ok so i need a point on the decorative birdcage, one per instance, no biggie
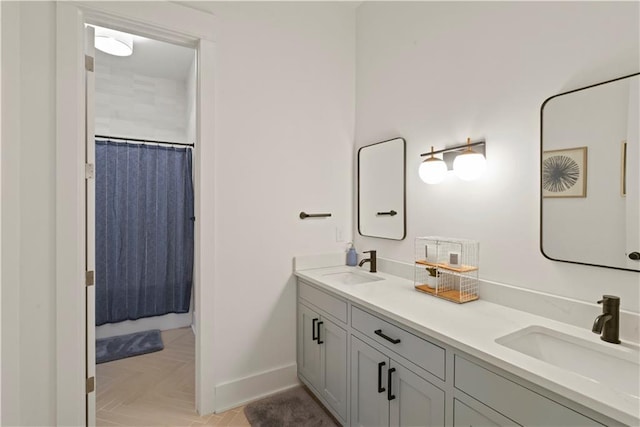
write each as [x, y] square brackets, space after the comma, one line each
[447, 268]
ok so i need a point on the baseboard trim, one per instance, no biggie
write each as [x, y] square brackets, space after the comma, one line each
[245, 390]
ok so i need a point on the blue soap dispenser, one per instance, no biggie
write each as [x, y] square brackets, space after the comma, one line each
[352, 256]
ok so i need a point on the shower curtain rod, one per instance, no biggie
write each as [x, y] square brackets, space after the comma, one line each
[145, 140]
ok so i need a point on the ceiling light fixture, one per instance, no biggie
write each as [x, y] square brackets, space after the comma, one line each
[113, 42]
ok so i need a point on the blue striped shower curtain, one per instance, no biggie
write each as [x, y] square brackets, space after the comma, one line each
[144, 231]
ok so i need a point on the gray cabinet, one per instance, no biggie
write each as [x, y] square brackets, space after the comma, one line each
[400, 341]
[384, 392]
[333, 359]
[369, 404]
[417, 402]
[322, 358]
[370, 370]
[466, 416]
[512, 399]
[308, 348]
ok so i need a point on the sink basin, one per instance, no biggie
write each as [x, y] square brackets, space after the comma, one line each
[351, 277]
[616, 366]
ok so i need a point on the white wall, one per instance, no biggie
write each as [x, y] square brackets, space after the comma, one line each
[28, 213]
[436, 73]
[433, 73]
[10, 214]
[0, 215]
[132, 104]
[284, 143]
[192, 85]
[284, 132]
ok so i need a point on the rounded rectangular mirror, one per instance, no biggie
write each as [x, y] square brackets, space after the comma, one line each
[590, 175]
[381, 189]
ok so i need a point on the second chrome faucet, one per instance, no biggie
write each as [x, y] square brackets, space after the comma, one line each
[371, 260]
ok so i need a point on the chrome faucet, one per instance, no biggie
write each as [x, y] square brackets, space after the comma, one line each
[608, 323]
[371, 260]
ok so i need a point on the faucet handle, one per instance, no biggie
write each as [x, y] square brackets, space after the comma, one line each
[610, 303]
[609, 299]
[369, 252]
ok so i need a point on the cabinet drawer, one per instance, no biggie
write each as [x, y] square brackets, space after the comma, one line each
[332, 305]
[517, 402]
[467, 416]
[421, 352]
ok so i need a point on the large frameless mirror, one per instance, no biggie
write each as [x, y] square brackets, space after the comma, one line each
[381, 189]
[590, 175]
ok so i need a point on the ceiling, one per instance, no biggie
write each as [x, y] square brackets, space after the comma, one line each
[154, 58]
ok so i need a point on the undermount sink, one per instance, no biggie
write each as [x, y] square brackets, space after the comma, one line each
[616, 366]
[351, 277]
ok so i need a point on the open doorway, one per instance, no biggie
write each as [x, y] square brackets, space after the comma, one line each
[144, 121]
[170, 22]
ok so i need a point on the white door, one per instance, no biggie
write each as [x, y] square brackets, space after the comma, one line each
[417, 402]
[333, 341]
[90, 238]
[369, 368]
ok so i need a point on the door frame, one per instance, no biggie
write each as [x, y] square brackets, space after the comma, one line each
[163, 21]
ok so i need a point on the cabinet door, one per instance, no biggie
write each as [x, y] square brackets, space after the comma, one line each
[417, 402]
[369, 405]
[512, 399]
[308, 348]
[465, 416]
[333, 341]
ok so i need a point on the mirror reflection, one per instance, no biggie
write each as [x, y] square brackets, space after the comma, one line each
[590, 175]
[381, 189]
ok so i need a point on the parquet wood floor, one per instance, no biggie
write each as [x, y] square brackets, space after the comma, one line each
[156, 389]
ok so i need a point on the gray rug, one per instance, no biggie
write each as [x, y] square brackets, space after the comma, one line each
[122, 346]
[291, 408]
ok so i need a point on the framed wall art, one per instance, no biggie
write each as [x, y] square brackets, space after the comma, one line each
[623, 169]
[564, 172]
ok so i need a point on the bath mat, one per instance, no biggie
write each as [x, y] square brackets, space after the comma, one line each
[122, 346]
[291, 408]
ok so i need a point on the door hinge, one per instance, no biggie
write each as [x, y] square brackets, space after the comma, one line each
[89, 278]
[89, 171]
[91, 384]
[88, 63]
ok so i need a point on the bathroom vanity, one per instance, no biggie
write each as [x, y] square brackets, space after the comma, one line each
[376, 352]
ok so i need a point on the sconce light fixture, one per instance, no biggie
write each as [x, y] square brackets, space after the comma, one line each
[432, 170]
[466, 163]
[113, 42]
[469, 165]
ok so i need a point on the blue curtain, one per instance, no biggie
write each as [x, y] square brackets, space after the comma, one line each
[144, 231]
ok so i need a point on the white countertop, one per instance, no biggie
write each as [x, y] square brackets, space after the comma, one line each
[473, 328]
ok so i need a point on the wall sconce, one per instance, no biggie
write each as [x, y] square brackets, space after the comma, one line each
[466, 163]
[432, 170]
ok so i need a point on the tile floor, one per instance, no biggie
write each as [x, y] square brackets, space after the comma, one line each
[156, 389]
